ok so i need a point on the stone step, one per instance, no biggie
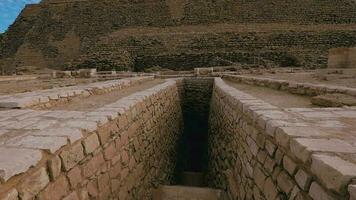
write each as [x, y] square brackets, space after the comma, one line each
[187, 193]
[195, 179]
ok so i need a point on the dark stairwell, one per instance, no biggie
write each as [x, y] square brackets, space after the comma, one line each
[190, 173]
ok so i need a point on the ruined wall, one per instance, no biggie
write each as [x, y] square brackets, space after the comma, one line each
[124, 158]
[256, 152]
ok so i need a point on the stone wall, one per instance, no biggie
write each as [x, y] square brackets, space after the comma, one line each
[258, 151]
[300, 88]
[123, 150]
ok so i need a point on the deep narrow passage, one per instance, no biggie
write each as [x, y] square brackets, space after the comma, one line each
[193, 144]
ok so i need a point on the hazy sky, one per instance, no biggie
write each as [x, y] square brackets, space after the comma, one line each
[9, 9]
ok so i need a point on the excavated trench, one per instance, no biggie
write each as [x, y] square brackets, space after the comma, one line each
[193, 144]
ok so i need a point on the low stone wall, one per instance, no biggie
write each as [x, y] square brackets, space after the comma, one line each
[51, 97]
[258, 151]
[120, 151]
[308, 89]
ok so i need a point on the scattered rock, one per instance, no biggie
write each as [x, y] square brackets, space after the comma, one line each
[334, 100]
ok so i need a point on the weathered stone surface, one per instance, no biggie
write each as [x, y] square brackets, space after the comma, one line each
[10, 195]
[352, 192]
[54, 167]
[303, 179]
[333, 171]
[91, 143]
[318, 193]
[55, 190]
[33, 184]
[334, 100]
[51, 144]
[16, 161]
[72, 156]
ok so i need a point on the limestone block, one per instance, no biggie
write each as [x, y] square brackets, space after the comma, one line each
[33, 184]
[289, 165]
[270, 190]
[10, 195]
[54, 167]
[333, 171]
[303, 179]
[302, 147]
[72, 156]
[270, 147]
[50, 144]
[285, 182]
[55, 190]
[318, 193]
[352, 192]
[88, 126]
[16, 161]
[91, 143]
[75, 177]
[72, 134]
[72, 196]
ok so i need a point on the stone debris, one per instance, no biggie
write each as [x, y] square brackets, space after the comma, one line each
[334, 100]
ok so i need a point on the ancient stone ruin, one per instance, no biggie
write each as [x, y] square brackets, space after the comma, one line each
[136, 35]
[179, 100]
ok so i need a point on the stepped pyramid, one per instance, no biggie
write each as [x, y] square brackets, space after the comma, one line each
[178, 34]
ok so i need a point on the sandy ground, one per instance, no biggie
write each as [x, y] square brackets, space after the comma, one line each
[339, 80]
[275, 97]
[11, 87]
[96, 101]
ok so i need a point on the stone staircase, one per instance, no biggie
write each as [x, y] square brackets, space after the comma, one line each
[187, 193]
[192, 188]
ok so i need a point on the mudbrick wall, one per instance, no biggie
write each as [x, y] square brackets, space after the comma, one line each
[258, 151]
[122, 150]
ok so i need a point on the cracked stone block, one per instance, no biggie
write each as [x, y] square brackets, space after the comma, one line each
[16, 161]
[333, 171]
[50, 144]
[72, 156]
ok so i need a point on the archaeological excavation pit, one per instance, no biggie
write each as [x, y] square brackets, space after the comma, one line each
[181, 138]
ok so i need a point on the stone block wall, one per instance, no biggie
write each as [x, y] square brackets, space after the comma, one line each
[130, 150]
[300, 88]
[258, 151]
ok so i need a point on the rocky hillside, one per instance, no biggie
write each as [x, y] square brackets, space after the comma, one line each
[62, 33]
